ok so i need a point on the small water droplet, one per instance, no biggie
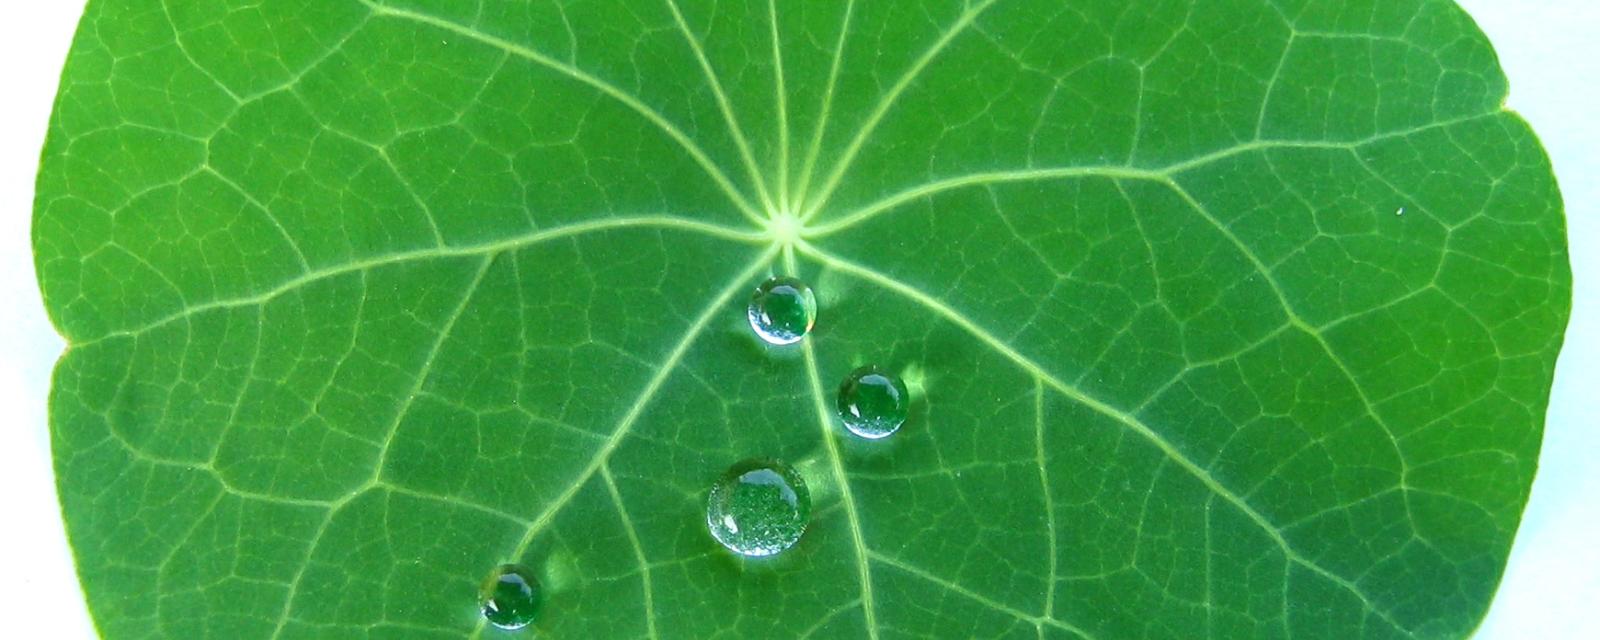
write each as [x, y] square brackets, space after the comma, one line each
[511, 597]
[782, 310]
[758, 507]
[873, 403]
[1400, 212]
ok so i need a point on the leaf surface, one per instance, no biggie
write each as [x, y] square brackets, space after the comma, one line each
[1223, 318]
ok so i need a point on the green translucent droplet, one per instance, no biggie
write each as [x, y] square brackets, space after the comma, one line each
[511, 597]
[782, 310]
[873, 403]
[758, 507]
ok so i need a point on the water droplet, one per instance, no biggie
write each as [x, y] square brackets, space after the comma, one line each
[758, 507]
[1400, 212]
[511, 597]
[873, 403]
[782, 310]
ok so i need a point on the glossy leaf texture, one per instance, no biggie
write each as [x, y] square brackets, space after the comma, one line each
[1220, 318]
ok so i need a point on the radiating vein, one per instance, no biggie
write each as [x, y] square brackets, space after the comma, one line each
[627, 99]
[383, 453]
[638, 551]
[432, 253]
[803, 185]
[1162, 174]
[836, 464]
[918, 192]
[1131, 422]
[796, 196]
[887, 102]
[726, 107]
[783, 105]
[641, 402]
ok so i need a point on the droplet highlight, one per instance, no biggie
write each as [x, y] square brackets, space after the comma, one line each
[511, 597]
[782, 310]
[873, 403]
[758, 508]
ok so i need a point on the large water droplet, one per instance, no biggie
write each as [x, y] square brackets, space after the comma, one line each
[511, 597]
[873, 403]
[758, 507]
[782, 310]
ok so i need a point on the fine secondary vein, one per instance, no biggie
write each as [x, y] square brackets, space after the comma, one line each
[431, 253]
[726, 107]
[887, 102]
[803, 185]
[1129, 421]
[666, 126]
[783, 105]
[641, 402]
[394, 425]
[836, 465]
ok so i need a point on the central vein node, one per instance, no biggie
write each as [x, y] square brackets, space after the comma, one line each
[785, 228]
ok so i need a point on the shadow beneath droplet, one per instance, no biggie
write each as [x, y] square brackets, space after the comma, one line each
[724, 560]
[738, 339]
[855, 447]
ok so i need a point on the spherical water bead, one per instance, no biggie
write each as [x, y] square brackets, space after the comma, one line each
[782, 310]
[511, 597]
[873, 403]
[758, 507]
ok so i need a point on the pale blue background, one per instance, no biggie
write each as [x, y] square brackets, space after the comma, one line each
[1551, 588]
[1552, 585]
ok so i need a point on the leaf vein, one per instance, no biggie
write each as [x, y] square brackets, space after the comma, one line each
[969, 594]
[671, 130]
[432, 253]
[886, 102]
[783, 105]
[724, 106]
[638, 551]
[1129, 421]
[643, 400]
[1163, 174]
[836, 464]
[377, 467]
[803, 185]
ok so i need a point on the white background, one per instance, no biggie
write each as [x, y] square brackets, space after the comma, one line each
[1551, 587]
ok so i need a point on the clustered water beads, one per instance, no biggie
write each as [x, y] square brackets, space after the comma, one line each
[758, 507]
[873, 403]
[511, 597]
[782, 310]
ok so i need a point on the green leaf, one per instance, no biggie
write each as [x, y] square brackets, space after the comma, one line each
[1221, 318]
